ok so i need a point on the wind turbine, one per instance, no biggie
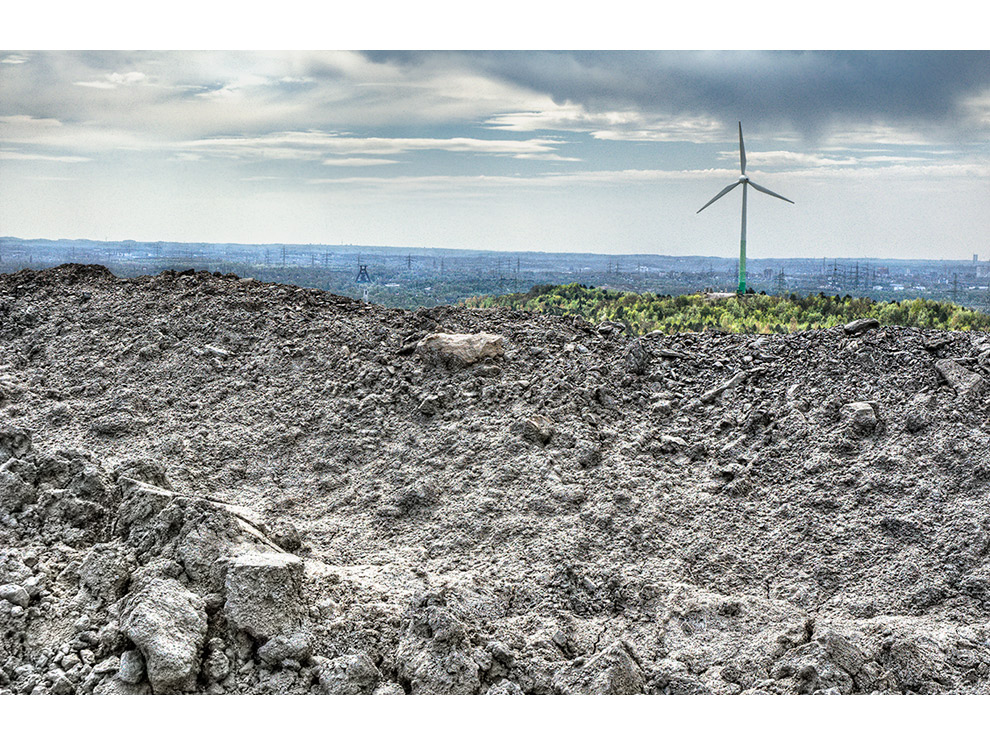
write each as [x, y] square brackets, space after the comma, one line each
[744, 180]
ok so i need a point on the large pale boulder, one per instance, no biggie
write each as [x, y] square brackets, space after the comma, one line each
[460, 350]
[965, 382]
[264, 593]
[168, 624]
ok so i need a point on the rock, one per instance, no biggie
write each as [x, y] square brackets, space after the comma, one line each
[860, 417]
[106, 571]
[608, 328]
[130, 667]
[613, 671]
[918, 664]
[112, 425]
[15, 492]
[264, 593]
[108, 666]
[15, 595]
[114, 686]
[168, 625]
[712, 393]
[966, 383]
[60, 683]
[860, 326]
[588, 454]
[349, 675]
[285, 534]
[295, 645]
[636, 358]
[216, 666]
[842, 652]
[430, 405]
[810, 669]
[15, 442]
[434, 656]
[671, 444]
[536, 429]
[460, 350]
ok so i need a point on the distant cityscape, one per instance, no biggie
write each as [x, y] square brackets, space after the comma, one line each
[411, 277]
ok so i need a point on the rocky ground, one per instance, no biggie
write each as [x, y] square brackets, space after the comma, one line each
[214, 485]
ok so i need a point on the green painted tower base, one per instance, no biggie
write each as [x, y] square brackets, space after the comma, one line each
[742, 268]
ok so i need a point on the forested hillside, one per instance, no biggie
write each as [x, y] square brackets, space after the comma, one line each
[642, 313]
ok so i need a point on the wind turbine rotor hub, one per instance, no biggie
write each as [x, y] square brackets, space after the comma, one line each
[744, 179]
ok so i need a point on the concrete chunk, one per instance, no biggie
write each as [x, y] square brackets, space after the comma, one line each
[460, 349]
[264, 593]
[965, 382]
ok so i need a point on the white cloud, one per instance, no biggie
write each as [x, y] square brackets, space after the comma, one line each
[14, 59]
[791, 159]
[102, 85]
[28, 122]
[12, 155]
[358, 162]
[114, 80]
[787, 158]
[317, 145]
[612, 125]
[976, 110]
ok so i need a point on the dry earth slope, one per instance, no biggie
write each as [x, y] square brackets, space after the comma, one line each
[209, 484]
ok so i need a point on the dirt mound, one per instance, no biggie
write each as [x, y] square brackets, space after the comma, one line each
[210, 484]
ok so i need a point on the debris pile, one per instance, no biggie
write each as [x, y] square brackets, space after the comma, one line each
[213, 485]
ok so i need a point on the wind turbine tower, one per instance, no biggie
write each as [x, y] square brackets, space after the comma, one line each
[745, 181]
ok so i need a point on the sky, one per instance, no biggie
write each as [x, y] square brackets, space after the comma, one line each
[885, 154]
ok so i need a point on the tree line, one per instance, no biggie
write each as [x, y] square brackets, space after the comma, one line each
[750, 313]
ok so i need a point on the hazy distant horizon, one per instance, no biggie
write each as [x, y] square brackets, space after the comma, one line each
[983, 258]
[581, 152]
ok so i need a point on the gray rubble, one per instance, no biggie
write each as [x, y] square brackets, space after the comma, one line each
[211, 486]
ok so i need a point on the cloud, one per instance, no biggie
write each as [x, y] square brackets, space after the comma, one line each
[102, 85]
[811, 92]
[115, 80]
[318, 145]
[14, 59]
[13, 155]
[628, 125]
[358, 162]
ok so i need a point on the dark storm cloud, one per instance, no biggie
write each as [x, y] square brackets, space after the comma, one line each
[806, 90]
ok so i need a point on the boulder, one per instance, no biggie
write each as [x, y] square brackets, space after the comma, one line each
[131, 667]
[349, 675]
[295, 645]
[168, 624]
[613, 671]
[860, 326]
[264, 593]
[106, 571]
[15, 595]
[965, 382]
[15, 492]
[860, 417]
[460, 350]
[15, 442]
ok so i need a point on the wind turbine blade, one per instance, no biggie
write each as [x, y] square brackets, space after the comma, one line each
[721, 194]
[742, 152]
[767, 191]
